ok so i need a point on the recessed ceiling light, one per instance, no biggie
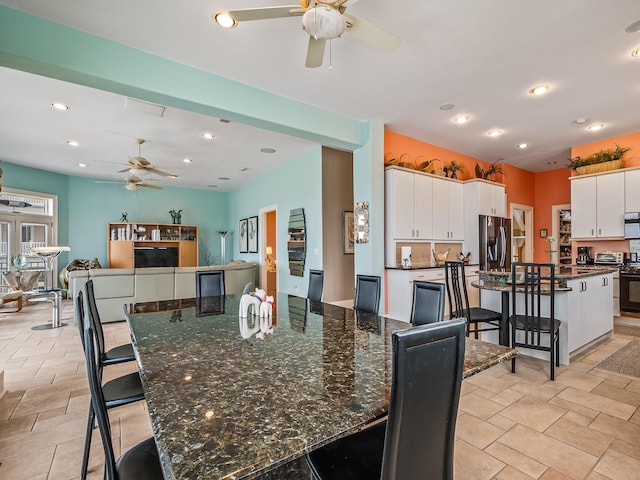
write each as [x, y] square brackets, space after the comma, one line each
[581, 121]
[208, 136]
[268, 150]
[82, 165]
[460, 119]
[540, 89]
[522, 146]
[633, 28]
[224, 20]
[495, 133]
[60, 106]
[446, 106]
[553, 162]
[636, 52]
[243, 169]
[73, 143]
[595, 127]
[223, 178]
[187, 160]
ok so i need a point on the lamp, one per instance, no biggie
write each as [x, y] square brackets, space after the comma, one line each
[323, 23]
[270, 262]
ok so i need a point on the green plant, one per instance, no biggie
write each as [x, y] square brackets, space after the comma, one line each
[608, 155]
[488, 174]
[455, 167]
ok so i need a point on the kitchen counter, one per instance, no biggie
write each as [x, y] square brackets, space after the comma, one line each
[563, 275]
[424, 266]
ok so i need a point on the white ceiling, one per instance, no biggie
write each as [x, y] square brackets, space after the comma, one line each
[481, 56]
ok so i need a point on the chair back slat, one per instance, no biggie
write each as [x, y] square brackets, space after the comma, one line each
[457, 294]
[367, 293]
[428, 303]
[94, 318]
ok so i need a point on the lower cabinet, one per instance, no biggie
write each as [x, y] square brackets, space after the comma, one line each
[590, 309]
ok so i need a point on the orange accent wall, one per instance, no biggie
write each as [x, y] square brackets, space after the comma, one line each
[551, 188]
[631, 158]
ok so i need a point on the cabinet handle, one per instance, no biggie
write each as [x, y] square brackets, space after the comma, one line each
[593, 232]
[599, 231]
[413, 233]
[417, 233]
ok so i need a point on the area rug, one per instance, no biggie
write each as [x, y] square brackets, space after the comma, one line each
[625, 361]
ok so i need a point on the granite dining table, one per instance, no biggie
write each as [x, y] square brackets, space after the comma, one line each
[232, 397]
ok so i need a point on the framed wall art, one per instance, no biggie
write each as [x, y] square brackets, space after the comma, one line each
[252, 229]
[244, 237]
[348, 232]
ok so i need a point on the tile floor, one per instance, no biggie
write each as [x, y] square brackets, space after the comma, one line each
[585, 425]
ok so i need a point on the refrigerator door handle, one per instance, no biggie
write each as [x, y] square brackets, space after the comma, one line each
[503, 249]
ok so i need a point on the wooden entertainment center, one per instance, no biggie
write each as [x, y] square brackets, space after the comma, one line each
[135, 245]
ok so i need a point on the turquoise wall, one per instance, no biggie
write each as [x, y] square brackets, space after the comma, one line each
[296, 184]
[94, 205]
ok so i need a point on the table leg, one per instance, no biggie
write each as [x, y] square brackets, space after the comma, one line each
[504, 322]
[56, 302]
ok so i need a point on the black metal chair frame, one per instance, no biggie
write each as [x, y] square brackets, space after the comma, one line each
[142, 461]
[531, 323]
[207, 275]
[316, 285]
[458, 297]
[428, 303]
[360, 301]
[117, 392]
[417, 439]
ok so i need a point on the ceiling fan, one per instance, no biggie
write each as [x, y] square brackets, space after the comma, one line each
[322, 19]
[140, 165]
[135, 183]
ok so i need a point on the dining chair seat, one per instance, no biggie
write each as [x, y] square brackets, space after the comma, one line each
[140, 462]
[119, 354]
[417, 440]
[521, 321]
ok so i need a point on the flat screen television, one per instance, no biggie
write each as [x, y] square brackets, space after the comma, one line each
[155, 257]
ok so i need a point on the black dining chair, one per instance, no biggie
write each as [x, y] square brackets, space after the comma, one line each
[140, 462]
[367, 293]
[428, 303]
[533, 323]
[119, 354]
[417, 439]
[316, 284]
[478, 319]
[117, 392]
[210, 283]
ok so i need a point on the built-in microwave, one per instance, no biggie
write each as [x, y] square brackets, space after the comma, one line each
[632, 225]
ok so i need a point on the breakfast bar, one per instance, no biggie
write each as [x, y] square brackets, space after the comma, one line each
[583, 303]
[233, 397]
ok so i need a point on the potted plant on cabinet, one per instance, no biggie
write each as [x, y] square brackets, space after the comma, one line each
[602, 161]
[454, 167]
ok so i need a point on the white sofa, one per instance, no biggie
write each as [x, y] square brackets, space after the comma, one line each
[114, 287]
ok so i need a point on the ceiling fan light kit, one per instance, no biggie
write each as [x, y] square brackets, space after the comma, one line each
[323, 23]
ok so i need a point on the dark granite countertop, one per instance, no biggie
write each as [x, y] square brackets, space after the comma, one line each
[235, 398]
[425, 266]
[492, 280]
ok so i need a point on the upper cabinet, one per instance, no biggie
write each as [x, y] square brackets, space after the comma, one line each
[481, 197]
[448, 220]
[491, 199]
[632, 190]
[598, 206]
[408, 211]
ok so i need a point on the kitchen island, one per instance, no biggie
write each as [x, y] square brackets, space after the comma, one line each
[583, 303]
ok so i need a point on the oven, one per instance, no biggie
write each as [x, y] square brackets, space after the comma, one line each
[630, 288]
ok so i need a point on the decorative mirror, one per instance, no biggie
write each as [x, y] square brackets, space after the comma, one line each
[361, 222]
[296, 242]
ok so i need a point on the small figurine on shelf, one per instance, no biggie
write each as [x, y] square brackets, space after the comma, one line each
[176, 217]
[124, 217]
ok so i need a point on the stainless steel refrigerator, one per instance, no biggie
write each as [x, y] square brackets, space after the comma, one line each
[495, 243]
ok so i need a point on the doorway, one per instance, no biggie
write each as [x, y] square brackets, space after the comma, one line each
[269, 249]
[521, 233]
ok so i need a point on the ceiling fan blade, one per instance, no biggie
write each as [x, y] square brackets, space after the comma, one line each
[124, 170]
[346, 3]
[158, 172]
[263, 13]
[150, 185]
[98, 181]
[315, 53]
[372, 34]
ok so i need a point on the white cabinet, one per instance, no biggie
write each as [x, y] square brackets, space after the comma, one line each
[598, 206]
[632, 191]
[590, 309]
[408, 210]
[481, 197]
[448, 214]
